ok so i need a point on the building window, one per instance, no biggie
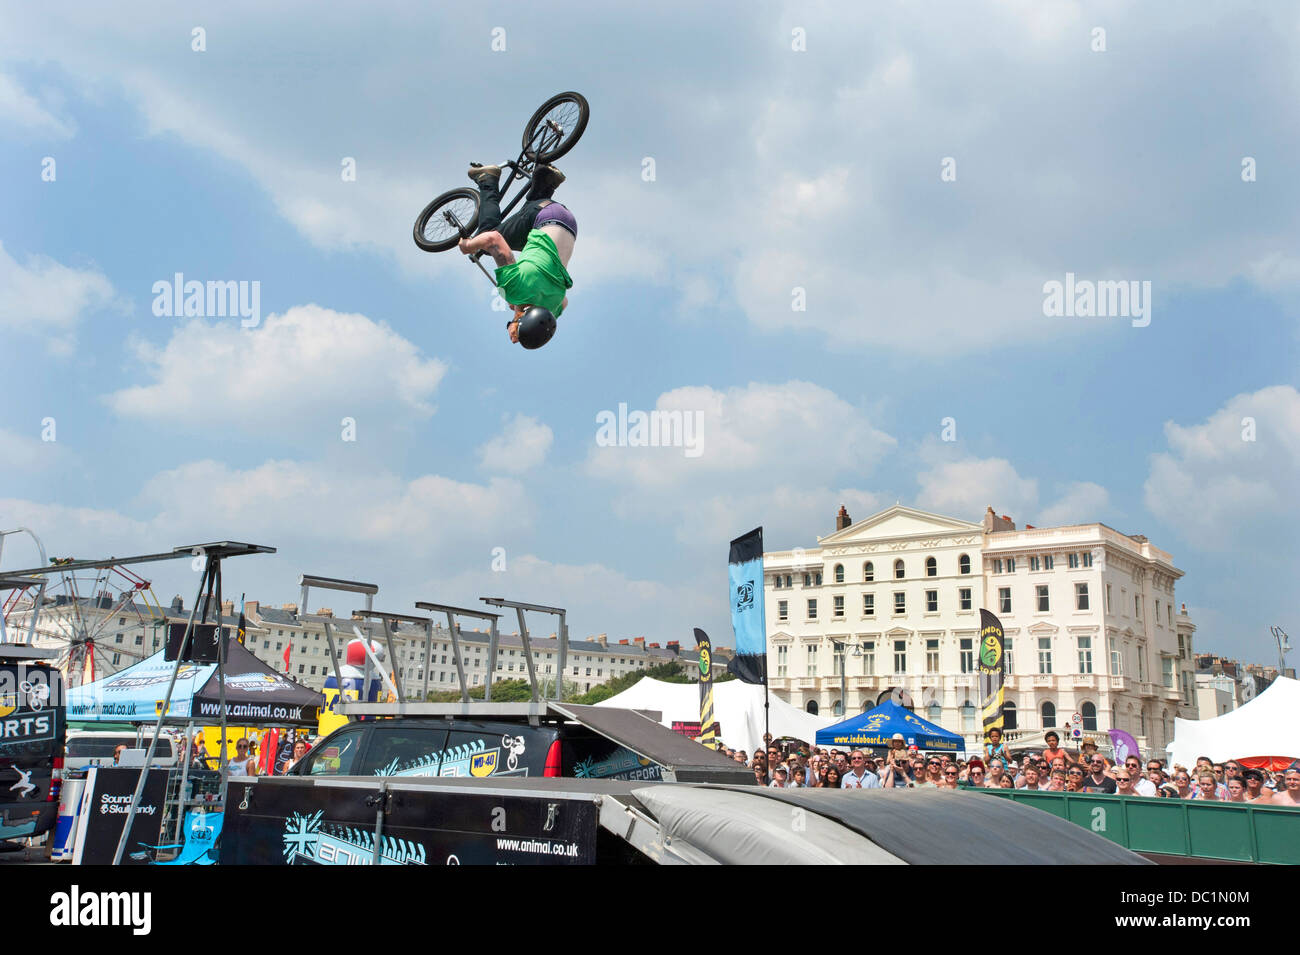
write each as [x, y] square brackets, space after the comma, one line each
[1085, 654]
[1169, 613]
[868, 605]
[782, 610]
[812, 609]
[967, 655]
[301, 668]
[1008, 715]
[1049, 715]
[117, 658]
[1089, 713]
[1116, 660]
[898, 570]
[1049, 562]
[932, 656]
[1011, 565]
[1004, 600]
[1108, 598]
[868, 572]
[869, 658]
[812, 659]
[1137, 606]
[837, 661]
[1167, 671]
[807, 580]
[782, 660]
[839, 605]
[1142, 660]
[1044, 654]
[1072, 561]
[900, 656]
[964, 596]
[900, 602]
[1043, 603]
[1080, 596]
[839, 573]
[811, 707]
[789, 581]
[931, 567]
[1006, 655]
[968, 717]
[997, 566]
[934, 712]
[1182, 647]
[963, 564]
[932, 601]
[1034, 564]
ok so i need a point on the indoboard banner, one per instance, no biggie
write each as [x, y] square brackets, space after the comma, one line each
[288, 823]
[105, 811]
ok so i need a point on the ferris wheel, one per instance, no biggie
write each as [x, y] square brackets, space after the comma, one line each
[71, 612]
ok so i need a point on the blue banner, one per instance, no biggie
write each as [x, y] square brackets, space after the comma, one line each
[748, 618]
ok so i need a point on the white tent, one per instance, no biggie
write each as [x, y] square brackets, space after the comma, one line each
[737, 706]
[1269, 725]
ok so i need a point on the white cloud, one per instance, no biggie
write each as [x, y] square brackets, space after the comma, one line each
[1223, 492]
[45, 297]
[1082, 502]
[521, 446]
[22, 453]
[755, 445]
[20, 109]
[308, 362]
[964, 487]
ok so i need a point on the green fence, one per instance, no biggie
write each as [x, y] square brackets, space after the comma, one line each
[1177, 827]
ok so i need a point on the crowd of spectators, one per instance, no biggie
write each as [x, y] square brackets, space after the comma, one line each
[1053, 769]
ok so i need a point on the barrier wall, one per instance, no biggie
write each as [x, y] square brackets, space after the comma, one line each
[1178, 827]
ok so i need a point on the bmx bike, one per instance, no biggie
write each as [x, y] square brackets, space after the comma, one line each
[553, 130]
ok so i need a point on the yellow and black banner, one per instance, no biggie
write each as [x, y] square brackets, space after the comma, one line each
[708, 725]
[992, 670]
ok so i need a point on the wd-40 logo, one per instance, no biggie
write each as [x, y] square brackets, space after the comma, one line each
[745, 595]
[483, 764]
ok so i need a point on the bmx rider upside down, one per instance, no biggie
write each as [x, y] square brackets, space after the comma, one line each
[543, 232]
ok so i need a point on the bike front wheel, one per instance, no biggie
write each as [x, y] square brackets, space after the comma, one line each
[435, 231]
[556, 127]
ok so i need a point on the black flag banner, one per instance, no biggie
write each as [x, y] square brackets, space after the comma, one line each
[748, 619]
[992, 671]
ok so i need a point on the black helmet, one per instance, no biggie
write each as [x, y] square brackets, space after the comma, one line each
[536, 327]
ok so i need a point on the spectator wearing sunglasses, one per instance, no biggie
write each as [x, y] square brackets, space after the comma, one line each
[859, 776]
[1074, 779]
[1182, 781]
[1255, 791]
[1124, 780]
[1098, 780]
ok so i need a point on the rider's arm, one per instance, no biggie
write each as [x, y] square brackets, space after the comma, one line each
[493, 244]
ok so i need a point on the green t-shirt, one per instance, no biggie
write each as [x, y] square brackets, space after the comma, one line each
[537, 276]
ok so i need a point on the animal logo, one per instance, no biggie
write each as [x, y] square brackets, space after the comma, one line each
[24, 785]
[514, 745]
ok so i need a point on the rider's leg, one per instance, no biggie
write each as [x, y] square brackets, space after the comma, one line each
[515, 229]
[489, 204]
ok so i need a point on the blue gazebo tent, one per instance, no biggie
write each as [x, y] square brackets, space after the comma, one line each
[874, 729]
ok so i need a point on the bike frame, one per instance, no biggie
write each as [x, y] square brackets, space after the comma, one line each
[521, 168]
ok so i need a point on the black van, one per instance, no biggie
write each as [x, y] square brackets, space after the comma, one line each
[32, 728]
[592, 744]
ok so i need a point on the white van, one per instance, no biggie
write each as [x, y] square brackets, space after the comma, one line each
[95, 748]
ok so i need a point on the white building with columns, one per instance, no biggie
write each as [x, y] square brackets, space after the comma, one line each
[890, 605]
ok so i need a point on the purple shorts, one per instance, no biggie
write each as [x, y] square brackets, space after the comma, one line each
[559, 215]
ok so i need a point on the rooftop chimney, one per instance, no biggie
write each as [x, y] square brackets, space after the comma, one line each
[655, 646]
[227, 608]
[601, 638]
[325, 612]
[251, 607]
[842, 519]
[639, 642]
[993, 524]
[291, 608]
[674, 645]
[622, 643]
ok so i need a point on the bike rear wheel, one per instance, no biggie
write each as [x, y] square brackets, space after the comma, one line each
[543, 142]
[434, 233]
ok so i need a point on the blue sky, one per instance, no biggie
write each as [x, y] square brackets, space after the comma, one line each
[774, 168]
